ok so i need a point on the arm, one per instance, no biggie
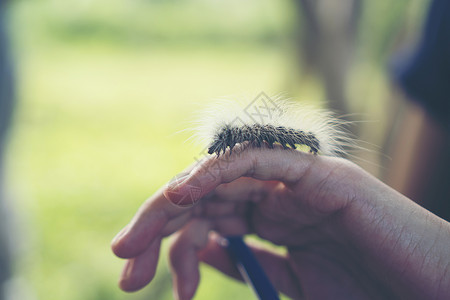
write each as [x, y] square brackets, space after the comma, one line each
[420, 160]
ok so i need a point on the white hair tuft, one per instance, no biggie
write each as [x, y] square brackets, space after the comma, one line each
[265, 120]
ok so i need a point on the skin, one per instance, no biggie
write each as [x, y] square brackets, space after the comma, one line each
[347, 235]
[421, 173]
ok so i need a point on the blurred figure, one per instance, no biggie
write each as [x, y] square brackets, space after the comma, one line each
[328, 43]
[6, 103]
[421, 144]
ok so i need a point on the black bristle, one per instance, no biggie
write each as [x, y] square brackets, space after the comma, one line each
[259, 135]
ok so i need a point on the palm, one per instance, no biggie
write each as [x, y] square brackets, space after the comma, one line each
[324, 266]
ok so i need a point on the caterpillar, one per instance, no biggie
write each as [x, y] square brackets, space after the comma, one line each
[263, 121]
[257, 134]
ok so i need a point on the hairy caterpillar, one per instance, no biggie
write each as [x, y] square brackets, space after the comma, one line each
[257, 134]
[264, 121]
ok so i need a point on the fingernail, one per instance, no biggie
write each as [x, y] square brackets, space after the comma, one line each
[126, 273]
[119, 235]
[183, 191]
[218, 239]
[175, 182]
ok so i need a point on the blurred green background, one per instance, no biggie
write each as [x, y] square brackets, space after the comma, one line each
[105, 90]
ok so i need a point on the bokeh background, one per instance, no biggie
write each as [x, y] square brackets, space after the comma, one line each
[106, 89]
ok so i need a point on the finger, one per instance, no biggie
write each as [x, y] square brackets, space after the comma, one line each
[139, 271]
[159, 217]
[231, 225]
[147, 225]
[183, 257]
[276, 266]
[263, 164]
[189, 241]
[245, 189]
[175, 223]
[216, 255]
[212, 207]
[320, 188]
[151, 218]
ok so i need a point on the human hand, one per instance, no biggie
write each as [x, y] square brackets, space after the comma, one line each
[347, 234]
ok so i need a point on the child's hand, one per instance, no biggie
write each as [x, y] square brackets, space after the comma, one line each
[348, 235]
